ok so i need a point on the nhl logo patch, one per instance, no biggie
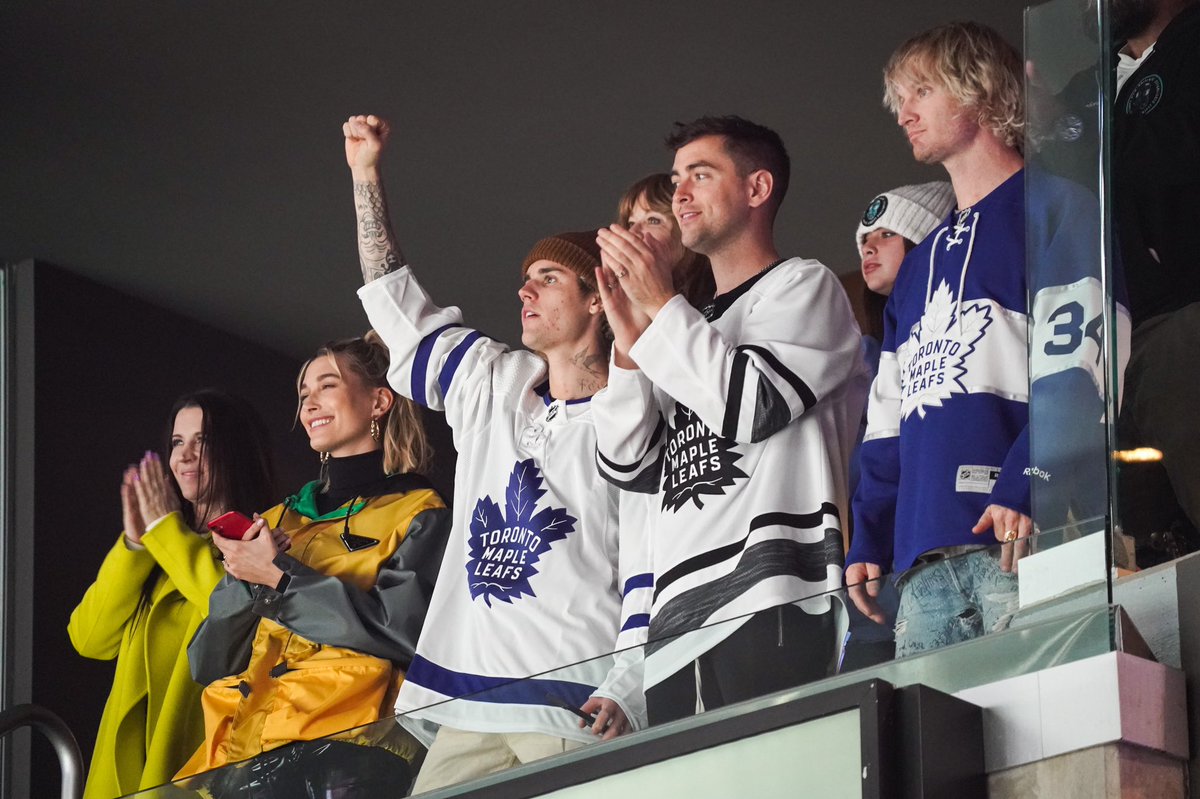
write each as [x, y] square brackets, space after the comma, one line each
[875, 210]
[1145, 95]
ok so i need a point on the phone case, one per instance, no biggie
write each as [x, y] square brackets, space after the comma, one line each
[230, 525]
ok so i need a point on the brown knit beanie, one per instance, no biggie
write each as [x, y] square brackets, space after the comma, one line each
[576, 251]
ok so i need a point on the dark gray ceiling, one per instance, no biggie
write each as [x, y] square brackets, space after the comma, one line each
[191, 153]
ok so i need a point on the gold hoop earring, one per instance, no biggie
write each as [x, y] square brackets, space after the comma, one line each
[375, 429]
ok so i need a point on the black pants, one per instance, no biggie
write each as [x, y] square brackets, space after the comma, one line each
[776, 649]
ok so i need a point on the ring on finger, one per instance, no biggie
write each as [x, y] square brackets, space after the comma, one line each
[623, 273]
[1010, 536]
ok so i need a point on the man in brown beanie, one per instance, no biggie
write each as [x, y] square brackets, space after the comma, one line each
[533, 573]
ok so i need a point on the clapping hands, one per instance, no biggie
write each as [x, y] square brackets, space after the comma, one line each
[146, 496]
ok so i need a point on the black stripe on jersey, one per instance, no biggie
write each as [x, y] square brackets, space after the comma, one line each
[802, 521]
[644, 482]
[624, 468]
[799, 386]
[733, 400]
[771, 411]
[693, 608]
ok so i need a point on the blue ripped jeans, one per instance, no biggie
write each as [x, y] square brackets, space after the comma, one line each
[954, 599]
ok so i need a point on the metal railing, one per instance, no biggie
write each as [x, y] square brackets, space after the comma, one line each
[70, 761]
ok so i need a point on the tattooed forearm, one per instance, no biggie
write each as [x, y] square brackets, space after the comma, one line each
[378, 253]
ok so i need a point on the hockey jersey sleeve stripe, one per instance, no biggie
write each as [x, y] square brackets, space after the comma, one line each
[733, 402]
[421, 363]
[498, 690]
[806, 395]
[636, 621]
[626, 468]
[454, 359]
[771, 412]
[644, 482]
[638, 581]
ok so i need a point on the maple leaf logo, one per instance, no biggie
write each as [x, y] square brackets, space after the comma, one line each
[698, 462]
[933, 359]
[506, 547]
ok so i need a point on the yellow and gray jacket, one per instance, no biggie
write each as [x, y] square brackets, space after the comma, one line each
[327, 652]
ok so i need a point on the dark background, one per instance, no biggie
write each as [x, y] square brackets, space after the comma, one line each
[191, 153]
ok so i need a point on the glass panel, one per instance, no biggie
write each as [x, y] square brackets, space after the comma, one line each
[1073, 321]
[5, 516]
[1030, 633]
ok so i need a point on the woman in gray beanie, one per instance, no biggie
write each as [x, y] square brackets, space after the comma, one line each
[893, 224]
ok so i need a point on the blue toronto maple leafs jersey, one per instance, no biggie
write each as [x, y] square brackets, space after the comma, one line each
[537, 578]
[742, 424]
[948, 419]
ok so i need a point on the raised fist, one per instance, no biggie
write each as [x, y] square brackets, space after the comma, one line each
[365, 139]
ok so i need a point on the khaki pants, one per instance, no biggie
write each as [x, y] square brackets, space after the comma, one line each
[460, 755]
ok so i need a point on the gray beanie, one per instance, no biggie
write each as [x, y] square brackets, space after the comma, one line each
[911, 211]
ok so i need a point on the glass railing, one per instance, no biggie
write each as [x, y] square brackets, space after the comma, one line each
[1030, 626]
[1074, 324]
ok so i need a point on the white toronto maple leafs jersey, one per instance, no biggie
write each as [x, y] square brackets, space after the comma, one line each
[950, 412]
[534, 580]
[744, 426]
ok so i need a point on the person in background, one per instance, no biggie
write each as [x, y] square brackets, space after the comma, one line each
[893, 223]
[645, 210]
[311, 630]
[151, 592]
[1156, 201]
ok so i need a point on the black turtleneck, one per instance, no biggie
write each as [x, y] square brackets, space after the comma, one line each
[362, 476]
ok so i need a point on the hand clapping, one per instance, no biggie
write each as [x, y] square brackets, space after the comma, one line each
[146, 496]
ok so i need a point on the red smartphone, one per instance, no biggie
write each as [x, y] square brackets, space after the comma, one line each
[230, 525]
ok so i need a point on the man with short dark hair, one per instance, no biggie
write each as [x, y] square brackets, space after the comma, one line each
[743, 416]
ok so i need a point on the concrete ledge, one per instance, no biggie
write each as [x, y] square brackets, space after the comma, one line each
[1111, 771]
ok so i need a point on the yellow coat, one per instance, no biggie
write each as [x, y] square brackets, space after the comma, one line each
[143, 608]
[326, 655]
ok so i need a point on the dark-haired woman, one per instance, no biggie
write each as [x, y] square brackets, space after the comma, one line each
[152, 589]
[311, 639]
